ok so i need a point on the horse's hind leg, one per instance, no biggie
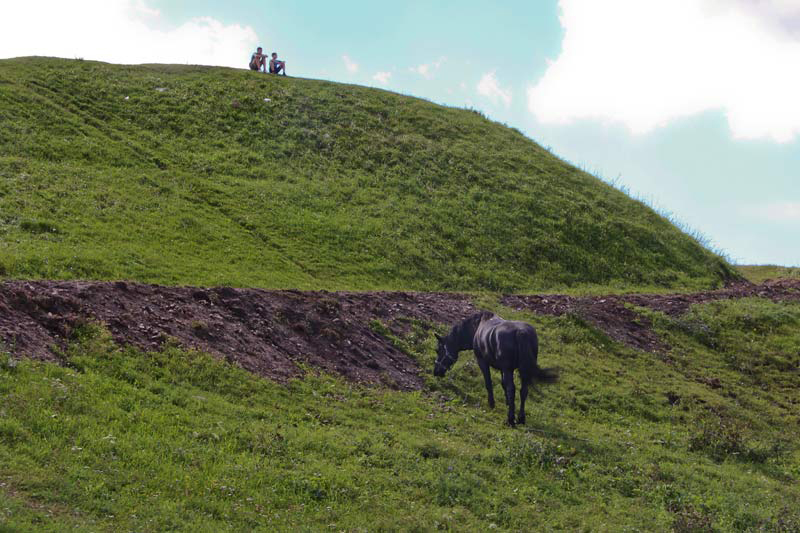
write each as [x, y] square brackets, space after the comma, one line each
[523, 395]
[508, 386]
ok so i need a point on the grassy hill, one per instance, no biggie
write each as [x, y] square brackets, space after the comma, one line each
[213, 176]
[175, 174]
[703, 438]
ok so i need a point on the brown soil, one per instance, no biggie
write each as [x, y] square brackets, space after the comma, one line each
[272, 332]
[266, 332]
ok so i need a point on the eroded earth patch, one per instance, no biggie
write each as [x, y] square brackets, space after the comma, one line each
[272, 332]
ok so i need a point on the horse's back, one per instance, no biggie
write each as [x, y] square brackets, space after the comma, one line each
[515, 329]
[497, 338]
[518, 326]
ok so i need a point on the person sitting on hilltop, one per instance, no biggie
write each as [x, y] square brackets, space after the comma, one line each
[258, 61]
[276, 65]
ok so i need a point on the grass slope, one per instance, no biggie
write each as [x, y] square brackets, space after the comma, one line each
[762, 273]
[187, 175]
[704, 439]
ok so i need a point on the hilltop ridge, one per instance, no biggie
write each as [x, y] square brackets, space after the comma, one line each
[213, 176]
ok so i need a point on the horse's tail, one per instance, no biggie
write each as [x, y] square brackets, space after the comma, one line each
[545, 375]
[529, 369]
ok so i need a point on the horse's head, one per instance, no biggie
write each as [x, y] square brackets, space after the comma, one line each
[446, 356]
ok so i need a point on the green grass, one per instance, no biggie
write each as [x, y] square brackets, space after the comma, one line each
[330, 186]
[185, 175]
[123, 440]
[761, 273]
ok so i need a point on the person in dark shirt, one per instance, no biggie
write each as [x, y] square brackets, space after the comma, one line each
[258, 61]
[276, 65]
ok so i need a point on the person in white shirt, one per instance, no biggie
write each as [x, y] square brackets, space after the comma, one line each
[258, 61]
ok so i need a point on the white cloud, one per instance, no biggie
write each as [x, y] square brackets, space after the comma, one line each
[776, 212]
[427, 70]
[490, 88]
[646, 63]
[784, 14]
[382, 77]
[120, 31]
[422, 70]
[350, 65]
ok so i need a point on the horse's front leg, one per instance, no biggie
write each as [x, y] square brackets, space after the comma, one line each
[487, 379]
[508, 386]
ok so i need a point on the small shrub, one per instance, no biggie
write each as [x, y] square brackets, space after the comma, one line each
[12, 432]
[7, 362]
[719, 437]
[363, 446]
[787, 520]
[200, 328]
[525, 454]
[699, 330]
[38, 227]
[378, 327]
[431, 451]
[269, 445]
[689, 519]
[763, 452]
[453, 487]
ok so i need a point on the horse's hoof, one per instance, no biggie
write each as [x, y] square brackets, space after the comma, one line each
[521, 421]
[511, 424]
[491, 405]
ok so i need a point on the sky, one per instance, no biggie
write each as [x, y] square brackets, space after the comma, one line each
[690, 105]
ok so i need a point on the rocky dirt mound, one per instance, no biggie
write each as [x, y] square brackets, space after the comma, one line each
[266, 332]
[272, 332]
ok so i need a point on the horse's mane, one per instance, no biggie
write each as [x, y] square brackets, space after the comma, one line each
[466, 328]
[480, 315]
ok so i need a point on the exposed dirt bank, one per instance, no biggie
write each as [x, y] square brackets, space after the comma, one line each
[271, 332]
[266, 332]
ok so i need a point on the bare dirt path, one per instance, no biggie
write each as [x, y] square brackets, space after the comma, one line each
[271, 332]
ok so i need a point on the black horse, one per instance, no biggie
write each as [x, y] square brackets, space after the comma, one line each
[497, 343]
